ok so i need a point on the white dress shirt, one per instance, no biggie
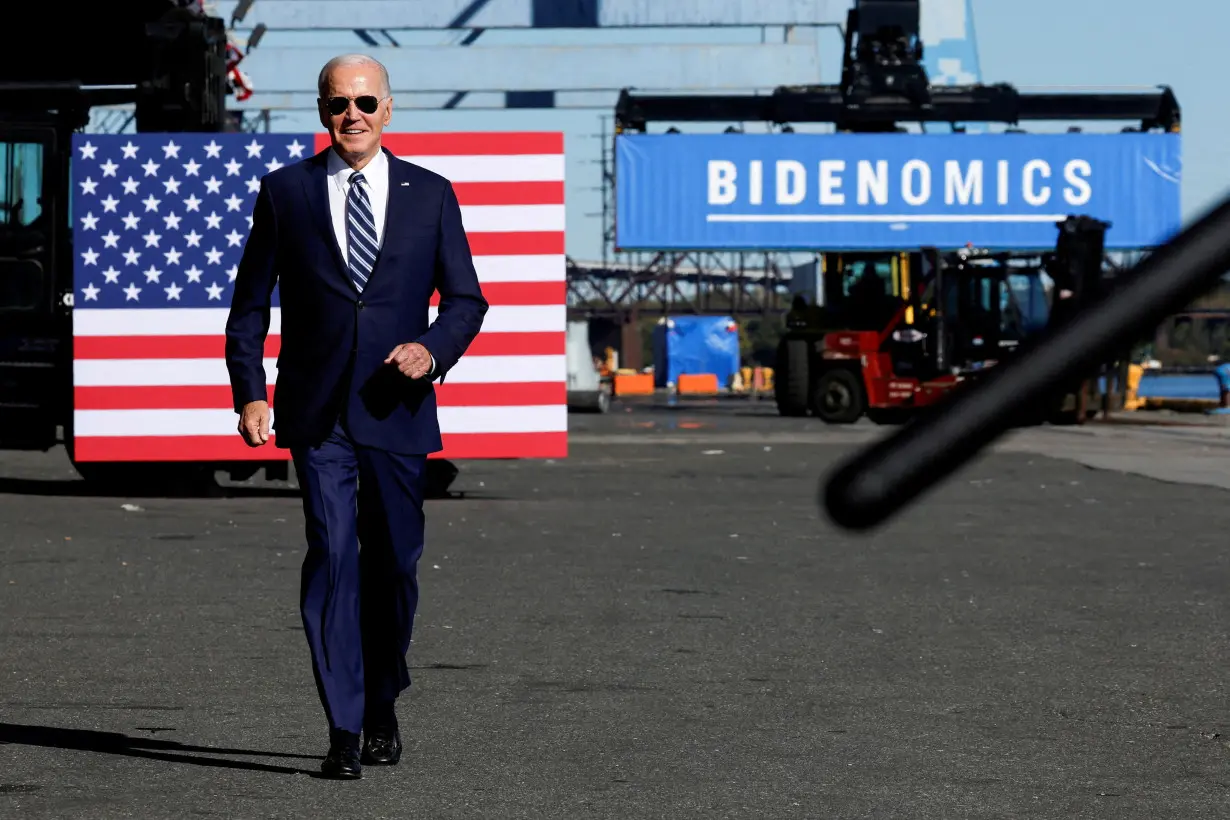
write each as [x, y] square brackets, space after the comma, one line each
[376, 176]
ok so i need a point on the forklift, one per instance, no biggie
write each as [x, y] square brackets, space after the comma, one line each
[887, 343]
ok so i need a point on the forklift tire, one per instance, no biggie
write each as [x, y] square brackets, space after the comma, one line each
[838, 398]
[790, 383]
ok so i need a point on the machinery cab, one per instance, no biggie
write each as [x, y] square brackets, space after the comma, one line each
[966, 311]
[858, 292]
[865, 291]
[25, 235]
[34, 250]
[981, 301]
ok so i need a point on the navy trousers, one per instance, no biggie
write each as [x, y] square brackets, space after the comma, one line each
[363, 511]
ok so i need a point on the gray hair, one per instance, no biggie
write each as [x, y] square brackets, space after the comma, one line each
[322, 82]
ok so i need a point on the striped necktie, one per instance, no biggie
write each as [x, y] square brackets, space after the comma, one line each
[360, 232]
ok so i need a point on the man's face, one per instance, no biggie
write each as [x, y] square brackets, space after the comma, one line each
[355, 132]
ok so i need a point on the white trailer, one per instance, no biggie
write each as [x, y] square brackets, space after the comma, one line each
[588, 391]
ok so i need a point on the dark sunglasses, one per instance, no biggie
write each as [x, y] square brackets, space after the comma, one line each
[367, 104]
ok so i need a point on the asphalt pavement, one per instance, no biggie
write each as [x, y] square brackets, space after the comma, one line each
[662, 625]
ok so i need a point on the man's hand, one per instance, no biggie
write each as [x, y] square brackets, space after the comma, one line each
[254, 423]
[412, 359]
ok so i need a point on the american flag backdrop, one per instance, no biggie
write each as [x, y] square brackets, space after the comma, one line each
[159, 224]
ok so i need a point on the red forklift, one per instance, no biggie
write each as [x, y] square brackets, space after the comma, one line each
[896, 332]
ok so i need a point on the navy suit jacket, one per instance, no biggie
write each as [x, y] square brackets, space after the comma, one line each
[335, 339]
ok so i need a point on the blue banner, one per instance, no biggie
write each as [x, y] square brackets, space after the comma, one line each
[874, 191]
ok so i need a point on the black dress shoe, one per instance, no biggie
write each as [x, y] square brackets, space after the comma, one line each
[342, 761]
[382, 747]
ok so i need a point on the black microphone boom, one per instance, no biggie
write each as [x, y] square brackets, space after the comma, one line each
[885, 477]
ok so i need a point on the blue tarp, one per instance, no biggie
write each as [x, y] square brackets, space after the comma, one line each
[1200, 386]
[693, 345]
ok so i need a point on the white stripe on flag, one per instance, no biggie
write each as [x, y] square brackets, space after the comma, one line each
[212, 321]
[180, 372]
[521, 268]
[494, 168]
[523, 318]
[544, 418]
[483, 218]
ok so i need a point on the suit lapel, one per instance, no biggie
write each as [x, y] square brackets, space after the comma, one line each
[317, 186]
[395, 212]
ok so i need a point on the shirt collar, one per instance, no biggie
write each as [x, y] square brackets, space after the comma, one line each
[340, 172]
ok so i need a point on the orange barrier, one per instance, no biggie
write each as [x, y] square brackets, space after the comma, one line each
[698, 384]
[629, 384]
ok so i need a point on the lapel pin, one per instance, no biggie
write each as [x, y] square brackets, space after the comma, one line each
[405, 184]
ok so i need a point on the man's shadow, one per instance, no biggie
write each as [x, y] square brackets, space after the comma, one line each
[88, 740]
[77, 488]
[441, 473]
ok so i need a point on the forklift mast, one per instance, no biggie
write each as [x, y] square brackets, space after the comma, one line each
[1076, 266]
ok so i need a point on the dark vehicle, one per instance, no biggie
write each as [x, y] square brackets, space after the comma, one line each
[35, 324]
[171, 61]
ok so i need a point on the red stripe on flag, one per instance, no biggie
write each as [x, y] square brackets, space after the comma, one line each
[505, 445]
[509, 193]
[160, 347]
[519, 293]
[507, 394]
[174, 448]
[544, 343]
[474, 142]
[162, 397]
[209, 396]
[512, 343]
[232, 448]
[510, 243]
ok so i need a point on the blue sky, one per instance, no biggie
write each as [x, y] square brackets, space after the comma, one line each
[1034, 43]
[1124, 42]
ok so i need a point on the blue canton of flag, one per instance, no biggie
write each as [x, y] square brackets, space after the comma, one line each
[160, 220]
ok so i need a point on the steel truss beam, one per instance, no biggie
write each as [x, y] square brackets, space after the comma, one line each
[674, 283]
[623, 283]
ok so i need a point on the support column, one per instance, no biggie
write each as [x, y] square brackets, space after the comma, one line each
[631, 353]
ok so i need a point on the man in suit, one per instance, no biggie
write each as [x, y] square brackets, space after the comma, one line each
[357, 241]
